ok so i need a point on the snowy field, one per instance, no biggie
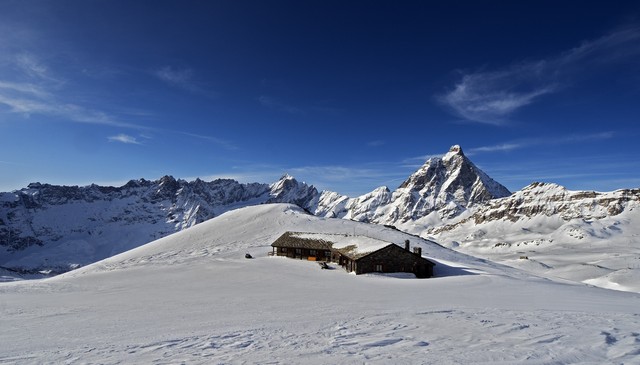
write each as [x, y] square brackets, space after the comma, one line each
[192, 298]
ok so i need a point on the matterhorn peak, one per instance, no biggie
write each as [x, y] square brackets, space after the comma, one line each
[450, 181]
[455, 150]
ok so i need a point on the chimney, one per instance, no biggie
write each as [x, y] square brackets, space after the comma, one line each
[418, 251]
[406, 245]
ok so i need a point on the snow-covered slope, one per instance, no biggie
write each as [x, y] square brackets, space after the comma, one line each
[578, 235]
[445, 186]
[52, 228]
[192, 298]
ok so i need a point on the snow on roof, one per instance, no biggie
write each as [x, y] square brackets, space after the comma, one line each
[355, 246]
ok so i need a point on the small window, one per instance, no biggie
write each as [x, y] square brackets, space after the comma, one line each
[379, 267]
[312, 252]
[298, 251]
[283, 249]
[327, 254]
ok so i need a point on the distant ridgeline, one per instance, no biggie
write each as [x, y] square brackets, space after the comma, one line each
[47, 227]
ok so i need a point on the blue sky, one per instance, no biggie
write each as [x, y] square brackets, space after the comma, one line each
[347, 97]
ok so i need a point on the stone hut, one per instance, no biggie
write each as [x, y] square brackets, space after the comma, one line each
[295, 245]
[358, 254]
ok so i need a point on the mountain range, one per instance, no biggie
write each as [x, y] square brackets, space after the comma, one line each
[49, 229]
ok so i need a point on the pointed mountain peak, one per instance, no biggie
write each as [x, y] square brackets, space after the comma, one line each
[290, 190]
[286, 181]
[455, 150]
[286, 177]
[450, 179]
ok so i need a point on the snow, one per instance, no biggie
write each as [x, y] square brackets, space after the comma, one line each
[192, 298]
[582, 236]
[360, 244]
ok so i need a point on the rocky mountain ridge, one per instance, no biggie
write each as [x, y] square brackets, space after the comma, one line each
[550, 200]
[445, 185]
[53, 229]
[540, 211]
[584, 236]
[56, 228]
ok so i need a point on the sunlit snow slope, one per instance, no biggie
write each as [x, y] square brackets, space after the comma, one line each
[583, 236]
[193, 298]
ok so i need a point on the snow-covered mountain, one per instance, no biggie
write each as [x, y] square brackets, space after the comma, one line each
[443, 187]
[585, 236]
[551, 200]
[56, 228]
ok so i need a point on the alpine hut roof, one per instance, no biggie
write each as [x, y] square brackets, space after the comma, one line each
[348, 245]
[293, 240]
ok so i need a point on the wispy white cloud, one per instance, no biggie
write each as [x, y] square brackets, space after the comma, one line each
[491, 97]
[9, 163]
[54, 108]
[24, 88]
[419, 160]
[124, 138]
[176, 77]
[30, 65]
[532, 142]
[183, 78]
[497, 147]
[34, 94]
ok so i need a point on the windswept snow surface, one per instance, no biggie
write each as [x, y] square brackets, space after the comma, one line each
[192, 298]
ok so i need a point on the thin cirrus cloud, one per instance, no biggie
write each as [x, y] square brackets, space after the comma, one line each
[124, 138]
[40, 92]
[184, 79]
[31, 66]
[533, 142]
[176, 77]
[30, 103]
[418, 160]
[491, 97]
[30, 93]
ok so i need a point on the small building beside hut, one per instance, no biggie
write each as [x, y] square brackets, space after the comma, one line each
[358, 254]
